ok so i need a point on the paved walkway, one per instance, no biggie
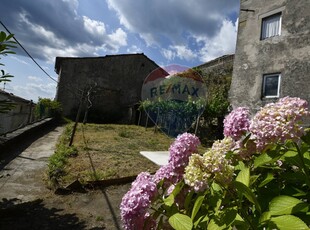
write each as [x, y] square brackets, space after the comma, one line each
[22, 177]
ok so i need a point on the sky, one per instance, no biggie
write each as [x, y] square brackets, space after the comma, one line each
[183, 32]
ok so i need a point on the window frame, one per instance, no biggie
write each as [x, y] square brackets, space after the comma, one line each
[264, 19]
[265, 76]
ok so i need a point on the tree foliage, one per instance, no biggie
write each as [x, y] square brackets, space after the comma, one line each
[48, 108]
[217, 106]
[6, 45]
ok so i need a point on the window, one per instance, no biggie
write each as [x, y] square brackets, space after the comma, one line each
[271, 26]
[271, 85]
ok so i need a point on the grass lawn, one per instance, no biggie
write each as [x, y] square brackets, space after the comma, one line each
[105, 152]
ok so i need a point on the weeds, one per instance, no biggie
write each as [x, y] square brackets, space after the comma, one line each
[57, 162]
[105, 151]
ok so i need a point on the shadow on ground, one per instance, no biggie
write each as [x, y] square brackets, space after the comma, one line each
[16, 146]
[34, 215]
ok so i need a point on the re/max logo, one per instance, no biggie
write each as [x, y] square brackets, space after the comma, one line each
[174, 89]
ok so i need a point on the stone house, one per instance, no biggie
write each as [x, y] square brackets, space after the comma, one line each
[272, 58]
[109, 86]
[20, 115]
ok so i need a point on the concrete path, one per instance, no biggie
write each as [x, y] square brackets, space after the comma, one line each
[22, 177]
[158, 157]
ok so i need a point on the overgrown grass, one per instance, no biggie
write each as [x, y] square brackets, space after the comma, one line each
[57, 162]
[104, 152]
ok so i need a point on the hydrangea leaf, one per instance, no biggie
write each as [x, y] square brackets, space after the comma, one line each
[180, 222]
[285, 205]
[269, 177]
[289, 222]
[197, 206]
[244, 190]
[244, 176]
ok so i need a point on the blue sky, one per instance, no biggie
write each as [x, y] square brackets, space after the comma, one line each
[184, 32]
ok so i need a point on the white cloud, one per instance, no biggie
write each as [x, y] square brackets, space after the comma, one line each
[168, 54]
[94, 27]
[30, 90]
[223, 43]
[19, 60]
[34, 78]
[134, 49]
[183, 52]
[179, 51]
[161, 19]
[118, 38]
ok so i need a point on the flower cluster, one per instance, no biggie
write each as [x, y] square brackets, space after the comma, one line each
[137, 200]
[212, 165]
[180, 151]
[277, 122]
[237, 123]
[188, 172]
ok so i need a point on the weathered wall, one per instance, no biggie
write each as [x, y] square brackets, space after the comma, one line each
[116, 83]
[288, 54]
[17, 117]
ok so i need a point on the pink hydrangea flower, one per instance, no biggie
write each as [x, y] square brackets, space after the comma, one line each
[137, 200]
[278, 122]
[237, 123]
[180, 151]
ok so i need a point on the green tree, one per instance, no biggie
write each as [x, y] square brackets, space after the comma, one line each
[217, 106]
[6, 45]
[48, 108]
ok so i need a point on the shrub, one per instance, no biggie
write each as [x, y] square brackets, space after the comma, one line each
[48, 108]
[257, 177]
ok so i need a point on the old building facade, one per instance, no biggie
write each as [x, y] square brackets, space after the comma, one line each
[272, 58]
[21, 114]
[109, 86]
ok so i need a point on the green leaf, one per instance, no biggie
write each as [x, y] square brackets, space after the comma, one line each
[197, 206]
[170, 199]
[289, 222]
[228, 216]
[292, 157]
[264, 217]
[306, 137]
[214, 226]
[180, 222]
[2, 36]
[244, 190]
[269, 177]
[244, 176]
[263, 159]
[240, 223]
[284, 205]
[240, 166]
[188, 199]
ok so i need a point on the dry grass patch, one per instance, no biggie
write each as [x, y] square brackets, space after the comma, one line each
[112, 151]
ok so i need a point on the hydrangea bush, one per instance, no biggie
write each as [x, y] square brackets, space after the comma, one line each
[257, 177]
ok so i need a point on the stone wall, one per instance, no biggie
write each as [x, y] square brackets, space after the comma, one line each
[287, 54]
[114, 83]
[20, 115]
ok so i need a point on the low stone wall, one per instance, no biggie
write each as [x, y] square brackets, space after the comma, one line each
[20, 136]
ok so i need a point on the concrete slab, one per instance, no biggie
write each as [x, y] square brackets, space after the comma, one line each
[158, 157]
[22, 177]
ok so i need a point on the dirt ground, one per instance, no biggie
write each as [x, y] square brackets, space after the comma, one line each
[27, 203]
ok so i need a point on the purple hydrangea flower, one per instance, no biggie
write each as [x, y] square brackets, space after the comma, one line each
[237, 123]
[136, 201]
[180, 151]
[278, 122]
